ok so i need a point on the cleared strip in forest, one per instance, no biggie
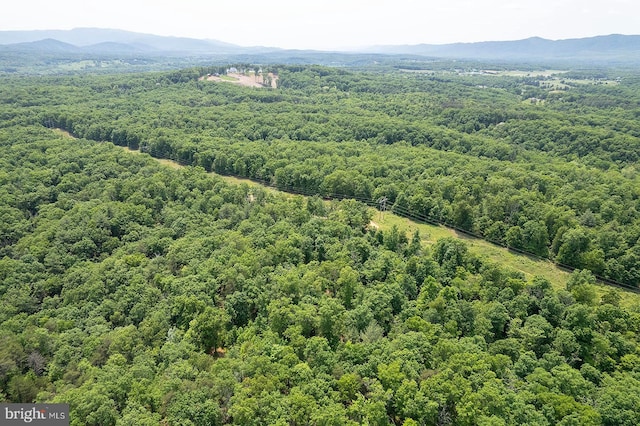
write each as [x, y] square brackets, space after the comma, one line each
[527, 263]
[430, 234]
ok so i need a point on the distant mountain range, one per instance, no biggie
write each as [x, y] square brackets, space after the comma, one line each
[600, 47]
[610, 48]
[97, 41]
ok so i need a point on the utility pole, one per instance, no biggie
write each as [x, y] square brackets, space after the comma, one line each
[383, 206]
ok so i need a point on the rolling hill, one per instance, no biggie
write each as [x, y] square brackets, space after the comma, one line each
[93, 40]
[616, 46]
[609, 48]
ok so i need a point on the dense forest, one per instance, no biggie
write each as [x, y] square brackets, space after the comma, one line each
[145, 295]
[544, 166]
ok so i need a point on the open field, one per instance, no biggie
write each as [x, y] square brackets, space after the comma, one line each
[518, 73]
[165, 162]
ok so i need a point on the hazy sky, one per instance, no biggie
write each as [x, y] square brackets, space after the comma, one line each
[339, 24]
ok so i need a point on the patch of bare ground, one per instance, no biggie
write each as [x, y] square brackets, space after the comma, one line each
[248, 79]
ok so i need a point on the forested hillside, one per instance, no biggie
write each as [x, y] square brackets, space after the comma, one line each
[145, 295]
[541, 165]
[141, 295]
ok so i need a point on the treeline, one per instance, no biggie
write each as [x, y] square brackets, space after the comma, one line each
[557, 179]
[143, 295]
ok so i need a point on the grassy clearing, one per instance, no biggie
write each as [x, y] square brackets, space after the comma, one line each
[233, 180]
[519, 73]
[529, 266]
[238, 181]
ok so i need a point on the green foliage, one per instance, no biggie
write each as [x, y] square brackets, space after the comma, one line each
[554, 179]
[207, 330]
[141, 294]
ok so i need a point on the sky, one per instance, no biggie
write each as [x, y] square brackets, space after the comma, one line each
[334, 24]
